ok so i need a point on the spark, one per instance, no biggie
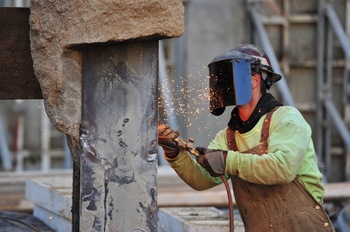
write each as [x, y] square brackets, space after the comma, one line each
[188, 100]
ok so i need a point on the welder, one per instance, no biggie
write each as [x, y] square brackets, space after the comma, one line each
[266, 149]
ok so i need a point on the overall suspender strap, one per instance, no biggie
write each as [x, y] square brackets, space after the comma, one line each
[266, 126]
[231, 140]
[284, 202]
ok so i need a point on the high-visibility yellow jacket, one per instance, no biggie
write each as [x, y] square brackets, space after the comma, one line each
[291, 155]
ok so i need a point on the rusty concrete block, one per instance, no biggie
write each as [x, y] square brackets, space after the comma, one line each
[60, 29]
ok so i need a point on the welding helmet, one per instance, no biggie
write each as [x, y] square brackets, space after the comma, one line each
[230, 73]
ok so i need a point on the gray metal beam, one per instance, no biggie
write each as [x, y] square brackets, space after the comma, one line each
[320, 80]
[338, 30]
[328, 95]
[330, 108]
[343, 131]
[338, 122]
[5, 155]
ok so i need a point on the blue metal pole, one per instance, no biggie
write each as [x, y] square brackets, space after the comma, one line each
[4, 150]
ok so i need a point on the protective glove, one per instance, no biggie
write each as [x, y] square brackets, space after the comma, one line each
[214, 161]
[166, 139]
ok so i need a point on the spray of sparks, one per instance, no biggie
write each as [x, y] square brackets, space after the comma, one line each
[186, 100]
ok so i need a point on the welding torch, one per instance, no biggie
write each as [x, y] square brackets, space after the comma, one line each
[187, 146]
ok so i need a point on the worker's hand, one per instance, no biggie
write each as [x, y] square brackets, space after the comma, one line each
[214, 161]
[166, 139]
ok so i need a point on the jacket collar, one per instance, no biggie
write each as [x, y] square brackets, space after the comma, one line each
[266, 103]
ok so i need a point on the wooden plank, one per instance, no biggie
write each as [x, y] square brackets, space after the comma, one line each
[337, 191]
[17, 79]
[172, 191]
[12, 188]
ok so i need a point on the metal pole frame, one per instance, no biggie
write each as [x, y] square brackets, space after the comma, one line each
[324, 83]
[329, 105]
[320, 80]
[326, 111]
[266, 44]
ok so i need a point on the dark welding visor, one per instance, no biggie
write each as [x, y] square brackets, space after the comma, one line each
[229, 83]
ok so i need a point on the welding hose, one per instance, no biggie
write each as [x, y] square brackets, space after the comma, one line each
[194, 152]
[230, 204]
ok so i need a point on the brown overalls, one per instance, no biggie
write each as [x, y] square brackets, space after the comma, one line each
[264, 208]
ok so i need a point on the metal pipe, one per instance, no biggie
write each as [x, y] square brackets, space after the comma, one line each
[45, 141]
[329, 96]
[282, 84]
[14, 3]
[338, 30]
[320, 75]
[344, 41]
[344, 133]
[4, 149]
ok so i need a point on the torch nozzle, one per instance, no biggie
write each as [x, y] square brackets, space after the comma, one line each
[187, 146]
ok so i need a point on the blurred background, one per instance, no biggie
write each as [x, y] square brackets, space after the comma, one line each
[307, 42]
[303, 39]
[28, 141]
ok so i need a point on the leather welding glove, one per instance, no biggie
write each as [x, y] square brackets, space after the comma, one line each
[214, 161]
[166, 139]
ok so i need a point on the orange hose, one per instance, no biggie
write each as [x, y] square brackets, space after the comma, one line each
[230, 204]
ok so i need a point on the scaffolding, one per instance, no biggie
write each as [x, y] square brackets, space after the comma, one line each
[332, 117]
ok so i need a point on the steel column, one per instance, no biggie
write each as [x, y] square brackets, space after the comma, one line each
[118, 176]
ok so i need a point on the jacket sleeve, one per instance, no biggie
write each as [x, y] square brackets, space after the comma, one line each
[287, 144]
[192, 173]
